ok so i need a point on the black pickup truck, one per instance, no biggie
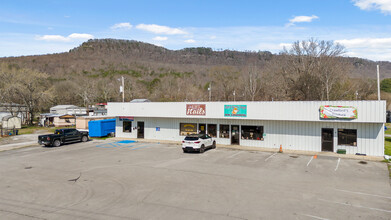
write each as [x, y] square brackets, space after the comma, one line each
[62, 136]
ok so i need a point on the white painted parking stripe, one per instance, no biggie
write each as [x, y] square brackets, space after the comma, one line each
[270, 156]
[356, 206]
[310, 161]
[339, 159]
[233, 155]
[315, 217]
[361, 193]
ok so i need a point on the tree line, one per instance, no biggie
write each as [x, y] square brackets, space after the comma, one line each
[307, 70]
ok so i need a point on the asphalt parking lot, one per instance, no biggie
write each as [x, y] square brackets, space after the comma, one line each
[111, 180]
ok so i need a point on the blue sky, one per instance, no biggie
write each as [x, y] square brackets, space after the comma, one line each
[52, 26]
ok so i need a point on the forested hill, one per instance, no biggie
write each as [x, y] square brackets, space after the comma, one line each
[90, 73]
[93, 56]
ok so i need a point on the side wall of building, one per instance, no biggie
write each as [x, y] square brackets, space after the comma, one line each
[294, 135]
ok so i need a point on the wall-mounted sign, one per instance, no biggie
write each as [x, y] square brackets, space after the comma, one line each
[235, 110]
[329, 111]
[195, 109]
[126, 118]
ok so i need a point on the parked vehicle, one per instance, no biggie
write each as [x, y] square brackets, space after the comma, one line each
[198, 142]
[62, 136]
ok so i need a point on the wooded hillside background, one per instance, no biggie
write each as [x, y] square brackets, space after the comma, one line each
[90, 73]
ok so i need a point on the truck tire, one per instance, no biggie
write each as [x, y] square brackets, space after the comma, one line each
[84, 138]
[56, 143]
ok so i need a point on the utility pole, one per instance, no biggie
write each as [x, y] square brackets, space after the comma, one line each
[123, 89]
[210, 91]
[378, 84]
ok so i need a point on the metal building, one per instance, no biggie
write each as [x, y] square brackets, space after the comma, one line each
[355, 126]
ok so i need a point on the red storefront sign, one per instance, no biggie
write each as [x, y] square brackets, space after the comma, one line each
[126, 118]
[195, 109]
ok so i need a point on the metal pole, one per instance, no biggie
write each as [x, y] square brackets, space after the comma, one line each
[378, 84]
[123, 90]
[210, 91]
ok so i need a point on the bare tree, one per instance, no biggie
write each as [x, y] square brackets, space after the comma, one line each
[25, 86]
[225, 80]
[253, 82]
[312, 69]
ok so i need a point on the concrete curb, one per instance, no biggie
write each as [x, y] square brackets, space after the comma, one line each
[263, 149]
[19, 147]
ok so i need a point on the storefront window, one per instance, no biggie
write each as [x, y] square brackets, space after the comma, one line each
[187, 128]
[224, 131]
[127, 126]
[347, 137]
[252, 132]
[212, 130]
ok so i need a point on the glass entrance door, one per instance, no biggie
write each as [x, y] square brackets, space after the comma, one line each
[327, 139]
[235, 135]
[140, 129]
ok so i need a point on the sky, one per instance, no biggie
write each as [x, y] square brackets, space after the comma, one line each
[53, 26]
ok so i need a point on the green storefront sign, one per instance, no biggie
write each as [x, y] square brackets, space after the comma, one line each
[235, 110]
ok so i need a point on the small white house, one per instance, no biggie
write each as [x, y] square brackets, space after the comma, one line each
[355, 126]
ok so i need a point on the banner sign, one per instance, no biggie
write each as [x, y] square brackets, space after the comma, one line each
[195, 109]
[235, 110]
[329, 111]
[126, 118]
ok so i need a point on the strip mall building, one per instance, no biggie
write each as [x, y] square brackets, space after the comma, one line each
[356, 126]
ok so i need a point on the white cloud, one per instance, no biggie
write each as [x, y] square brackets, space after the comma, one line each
[158, 29]
[190, 41]
[366, 42]
[71, 37]
[383, 5]
[77, 36]
[158, 38]
[125, 25]
[371, 48]
[300, 19]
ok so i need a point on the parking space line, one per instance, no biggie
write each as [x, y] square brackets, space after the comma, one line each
[233, 155]
[356, 206]
[270, 156]
[315, 217]
[310, 161]
[111, 145]
[339, 159]
[361, 193]
[141, 147]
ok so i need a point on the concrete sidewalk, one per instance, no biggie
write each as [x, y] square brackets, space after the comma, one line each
[263, 149]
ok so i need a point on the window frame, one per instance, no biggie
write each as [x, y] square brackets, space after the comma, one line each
[345, 135]
[255, 127]
[220, 130]
[123, 127]
[180, 126]
[207, 130]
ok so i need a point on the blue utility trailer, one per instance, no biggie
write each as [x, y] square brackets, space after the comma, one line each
[101, 128]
